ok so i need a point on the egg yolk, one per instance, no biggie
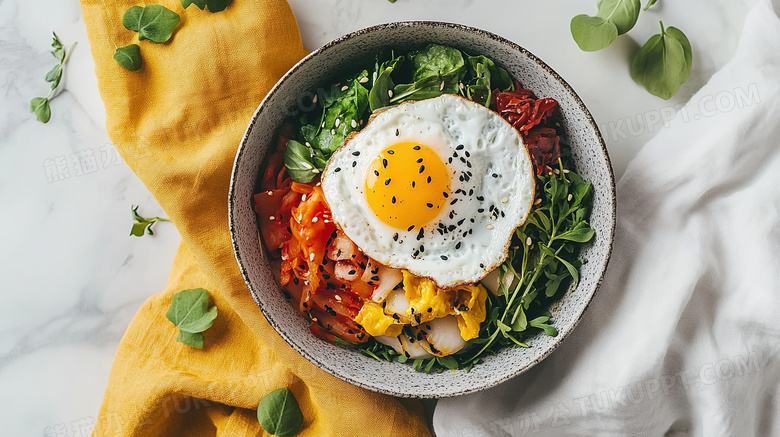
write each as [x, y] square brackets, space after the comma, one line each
[407, 185]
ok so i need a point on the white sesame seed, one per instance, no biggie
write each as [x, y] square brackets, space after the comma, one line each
[528, 241]
[303, 198]
[504, 200]
[492, 217]
[314, 100]
[363, 80]
[325, 221]
[441, 87]
[569, 198]
[318, 184]
[311, 257]
[323, 124]
[338, 122]
[270, 193]
[344, 88]
[305, 282]
[315, 171]
[390, 93]
[556, 171]
[461, 85]
[338, 298]
[353, 124]
[314, 319]
[308, 144]
[272, 218]
[489, 227]
[300, 217]
[538, 201]
[333, 131]
[566, 170]
[315, 219]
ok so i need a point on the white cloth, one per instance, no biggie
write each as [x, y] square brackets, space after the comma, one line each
[683, 337]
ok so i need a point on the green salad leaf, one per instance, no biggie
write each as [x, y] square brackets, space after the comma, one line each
[436, 69]
[213, 5]
[129, 57]
[614, 17]
[343, 113]
[152, 22]
[190, 312]
[663, 63]
[379, 96]
[279, 413]
[298, 160]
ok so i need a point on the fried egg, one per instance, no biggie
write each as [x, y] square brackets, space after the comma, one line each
[435, 187]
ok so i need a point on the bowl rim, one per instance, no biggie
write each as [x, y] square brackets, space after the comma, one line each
[423, 24]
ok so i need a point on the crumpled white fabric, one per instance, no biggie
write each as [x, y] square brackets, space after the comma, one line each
[683, 337]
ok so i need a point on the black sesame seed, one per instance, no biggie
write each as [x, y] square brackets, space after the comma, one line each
[422, 169]
[444, 193]
[395, 316]
[376, 173]
[481, 266]
[410, 228]
[352, 272]
[375, 278]
[417, 147]
[468, 164]
[444, 257]
[454, 201]
[392, 199]
[429, 179]
[325, 276]
[419, 160]
[460, 178]
[414, 255]
[395, 236]
[429, 310]
[296, 281]
[429, 205]
[384, 163]
[460, 147]
[305, 305]
[466, 178]
[362, 265]
[457, 246]
[463, 160]
[451, 228]
[387, 181]
[355, 153]
[449, 160]
[460, 222]
[354, 164]
[337, 169]
[334, 234]
[467, 153]
[480, 198]
[390, 152]
[471, 192]
[494, 175]
[417, 318]
[413, 184]
[452, 213]
[422, 248]
[420, 234]
[397, 132]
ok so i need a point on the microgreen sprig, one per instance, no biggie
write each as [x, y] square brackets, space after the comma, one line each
[40, 105]
[143, 224]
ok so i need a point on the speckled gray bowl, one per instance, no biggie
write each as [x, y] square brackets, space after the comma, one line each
[357, 50]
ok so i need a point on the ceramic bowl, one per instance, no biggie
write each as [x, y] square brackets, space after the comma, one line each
[347, 54]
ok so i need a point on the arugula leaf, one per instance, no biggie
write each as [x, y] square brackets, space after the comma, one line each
[129, 57]
[614, 17]
[189, 311]
[663, 63]
[279, 414]
[214, 5]
[142, 223]
[152, 22]
[40, 106]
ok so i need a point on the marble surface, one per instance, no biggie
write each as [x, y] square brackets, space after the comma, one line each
[72, 276]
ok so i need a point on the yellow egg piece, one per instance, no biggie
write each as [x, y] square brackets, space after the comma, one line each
[473, 298]
[373, 319]
[426, 300]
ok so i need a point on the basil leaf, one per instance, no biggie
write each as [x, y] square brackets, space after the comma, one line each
[297, 159]
[129, 57]
[677, 34]
[152, 22]
[40, 107]
[650, 4]
[622, 13]
[662, 65]
[214, 5]
[592, 33]
[279, 413]
[190, 312]
[195, 340]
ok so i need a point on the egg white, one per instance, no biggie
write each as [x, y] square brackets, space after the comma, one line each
[492, 189]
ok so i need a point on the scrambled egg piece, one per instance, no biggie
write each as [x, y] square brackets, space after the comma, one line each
[472, 299]
[373, 319]
[429, 302]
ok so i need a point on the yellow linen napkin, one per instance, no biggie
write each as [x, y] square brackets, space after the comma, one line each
[177, 122]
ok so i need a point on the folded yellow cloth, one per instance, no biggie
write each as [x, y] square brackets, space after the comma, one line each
[177, 122]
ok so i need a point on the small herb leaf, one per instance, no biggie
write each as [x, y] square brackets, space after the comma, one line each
[592, 33]
[663, 63]
[622, 13]
[297, 159]
[279, 413]
[190, 312]
[214, 5]
[129, 57]
[152, 22]
[40, 107]
[650, 4]
[191, 339]
[142, 223]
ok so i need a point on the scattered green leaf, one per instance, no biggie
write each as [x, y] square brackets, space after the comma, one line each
[214, 5]
[152, 22]
[297, 159]
[614, 17]
[142, 223]
[650, 4]
[40, 106]
[190, 312]
[279, 413]
[129, 57]
[663, 63]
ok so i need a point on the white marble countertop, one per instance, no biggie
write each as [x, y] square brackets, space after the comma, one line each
[73, 278]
